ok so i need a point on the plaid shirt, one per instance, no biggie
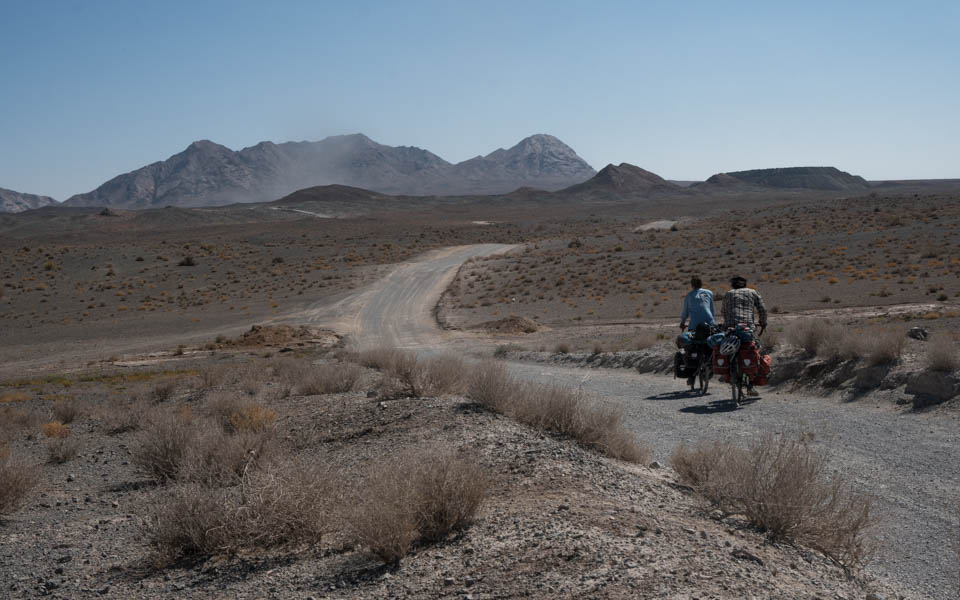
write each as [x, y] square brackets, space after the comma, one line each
[738, 307]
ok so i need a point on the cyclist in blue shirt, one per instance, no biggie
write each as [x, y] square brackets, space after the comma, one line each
[697, 306]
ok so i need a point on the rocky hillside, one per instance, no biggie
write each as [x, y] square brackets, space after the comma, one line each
[810, 178]
[624, 179]
[11, 201]
[208, 174]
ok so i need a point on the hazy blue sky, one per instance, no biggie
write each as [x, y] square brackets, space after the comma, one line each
[90, 89]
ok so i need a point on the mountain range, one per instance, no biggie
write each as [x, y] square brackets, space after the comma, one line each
[11, 201]
[208, 174]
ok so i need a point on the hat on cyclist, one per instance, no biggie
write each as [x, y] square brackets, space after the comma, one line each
[738, 281]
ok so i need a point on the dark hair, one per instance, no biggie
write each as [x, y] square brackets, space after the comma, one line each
[738, 281]
[696, 281]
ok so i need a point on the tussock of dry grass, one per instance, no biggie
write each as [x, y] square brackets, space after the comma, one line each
[942, 354]
[120, 417]
[66, 410]
[416, 378]
[177, 446]
[833, 341]
[56, 429]
[418, 497]
[557, 409]
[16, 481]
[328, 379]
[781, 486]
[61, 450]
[285, 504]
[14, 418]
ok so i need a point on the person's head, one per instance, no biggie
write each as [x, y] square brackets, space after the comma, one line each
[738, 282]
[695, 282]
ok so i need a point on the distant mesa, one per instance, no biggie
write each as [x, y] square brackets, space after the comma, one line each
[13, 202]
[808, 178]
[209, 174]
[625, 179]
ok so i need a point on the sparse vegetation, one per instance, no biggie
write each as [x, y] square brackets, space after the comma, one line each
[286, 504]
[782, 487]
[61, 450]
[557, 409]
[421, 496]
[16, 481]
[942, 354]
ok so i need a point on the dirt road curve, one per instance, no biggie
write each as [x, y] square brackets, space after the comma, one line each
[910, 462]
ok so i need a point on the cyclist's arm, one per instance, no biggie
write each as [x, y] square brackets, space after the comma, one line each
[761, 309]
[686, 310]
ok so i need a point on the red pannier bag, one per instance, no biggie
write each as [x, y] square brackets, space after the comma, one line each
[763, 373]
[749, 357]
[721, 366]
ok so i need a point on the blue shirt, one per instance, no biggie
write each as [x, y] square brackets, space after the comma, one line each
[698, 306]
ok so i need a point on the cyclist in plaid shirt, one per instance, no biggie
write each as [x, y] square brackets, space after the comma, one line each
[740, 303]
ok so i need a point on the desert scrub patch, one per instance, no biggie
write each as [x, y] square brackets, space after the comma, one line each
[66, 410]
[176, 446]
[327, 378]
[782, 487]
[556, 409]
[942, 354]
[252, 417]
[419, 497]
[61, 450]
[8, 397]
[286, 504]
[56, 429]
[16, 481]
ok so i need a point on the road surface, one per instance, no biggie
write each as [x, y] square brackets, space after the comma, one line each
[909, 462]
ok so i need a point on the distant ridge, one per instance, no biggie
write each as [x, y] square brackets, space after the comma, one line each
[624, 179]
[810, 178]
[12, 202]
[209, 174]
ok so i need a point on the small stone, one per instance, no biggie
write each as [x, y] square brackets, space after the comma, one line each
[448, 581]
[656, 465]
[875, 596]
[104, 590]
[71, 477]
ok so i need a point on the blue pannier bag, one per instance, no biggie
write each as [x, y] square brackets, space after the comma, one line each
[744, 334]
[686, 337]
[715, 340]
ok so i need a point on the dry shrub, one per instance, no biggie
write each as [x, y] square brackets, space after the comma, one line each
[381, 358]
[834, 341]
[61, 450]
[16, 481]
[253, 417]
[163, 443]
[430, 377]
[56, 429]
[118, 416]
[884, 347]
[329, 379]
[8, 397]
[782, 487]
[942, 354]
[557, 409]
[287, 504]
[66, 410]
[491, 386]
[418, 497]
[212, 377]
[13, 418]
[252, 382]
[162, 391]
[176, 446]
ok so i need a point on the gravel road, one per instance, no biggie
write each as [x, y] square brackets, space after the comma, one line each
[910, 462]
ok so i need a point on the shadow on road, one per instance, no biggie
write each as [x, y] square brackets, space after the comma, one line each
[678, 395]
[716, 407]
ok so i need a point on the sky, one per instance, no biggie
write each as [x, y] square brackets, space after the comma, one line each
[92, 89]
